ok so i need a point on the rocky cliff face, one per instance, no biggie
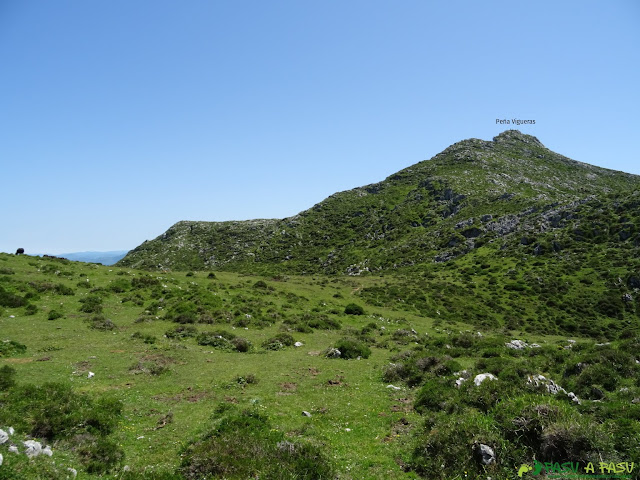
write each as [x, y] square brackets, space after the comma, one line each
[510, 195]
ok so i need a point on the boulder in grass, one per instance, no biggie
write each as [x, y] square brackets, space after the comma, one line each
[516, 345]
[33, 448]
[484, 454]
[4, 437]
[482, 377]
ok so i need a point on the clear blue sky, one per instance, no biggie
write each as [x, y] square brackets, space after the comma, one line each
[119, 118]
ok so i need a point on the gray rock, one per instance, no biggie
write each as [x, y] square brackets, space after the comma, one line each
[298, 344]
[516, 345]
[393, 387]
[333, 353]
[460, 381]
[553, 388]
[627, 297]
[33, 448]
[47, 451]
[287, 447]
[13, 449]
[482, 377]
[1, 459]
[484, 454]
[306, 414]
[574, 397]
[73, 472]
[4, 437]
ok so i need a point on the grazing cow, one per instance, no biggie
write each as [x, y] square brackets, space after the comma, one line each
[20, 251]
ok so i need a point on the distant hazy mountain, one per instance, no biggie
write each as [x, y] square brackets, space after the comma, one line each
[105, 258]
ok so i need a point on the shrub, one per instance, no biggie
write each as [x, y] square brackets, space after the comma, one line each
[182, 331]
[152, 365]
[98, 455]
[58, 413]
[31, 309]
[149, 339]
[8, 299]
[249, 379]
[100, 322]
[436, 395]
[354, 309]
[54, 314]
[144, 282]
[91, 304]
[278, 342]
[446, 445]
[224, 341]
[183, 312]
[244, 446]
[62, 289]
[352, 348]
[241, 344]
[7, 377]
[11, 347]
[120, 285]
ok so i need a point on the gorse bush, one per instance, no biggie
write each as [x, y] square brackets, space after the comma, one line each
[278, 342]
[352, 348]
[223, 340]
[54, 314]
[7, 377]
[10, 300]
[91, 304]
[244, 445]
[182, 331]
[11, 347]
[354, 309]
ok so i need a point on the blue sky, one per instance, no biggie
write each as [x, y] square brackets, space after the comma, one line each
[119, 118]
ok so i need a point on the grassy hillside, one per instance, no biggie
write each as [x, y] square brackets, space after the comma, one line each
[195, 374]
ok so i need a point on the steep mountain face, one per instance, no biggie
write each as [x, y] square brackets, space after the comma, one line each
[509, 196]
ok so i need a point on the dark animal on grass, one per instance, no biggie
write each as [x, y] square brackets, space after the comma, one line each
[20, 251]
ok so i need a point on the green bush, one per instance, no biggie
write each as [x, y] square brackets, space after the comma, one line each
[55, 412]
[31, 309]
[183, 312]
[181, 331]
[11, 347]
[91, 304]
[100, 322]
[98, 454]
[278, 342]
[144, 282]
[7, 377]
[146, 338]
[244, 445]
[352, 348]
[444, 449]
[353, 309]
[437, 395]
[54, 314]
[120, 285]
[8, 299]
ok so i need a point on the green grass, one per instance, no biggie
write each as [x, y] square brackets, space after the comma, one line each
[175, 393]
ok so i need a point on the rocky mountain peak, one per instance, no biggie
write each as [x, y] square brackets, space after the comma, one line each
[515, 137]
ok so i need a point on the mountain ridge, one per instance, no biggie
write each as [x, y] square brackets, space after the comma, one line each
[472, 193]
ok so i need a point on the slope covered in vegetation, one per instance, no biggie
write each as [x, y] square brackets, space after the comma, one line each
[197, 375]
